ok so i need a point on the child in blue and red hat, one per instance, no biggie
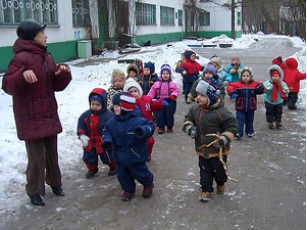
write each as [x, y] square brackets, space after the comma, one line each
[127, 134]
[90, 126]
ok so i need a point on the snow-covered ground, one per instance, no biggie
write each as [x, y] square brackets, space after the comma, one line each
[74, 100]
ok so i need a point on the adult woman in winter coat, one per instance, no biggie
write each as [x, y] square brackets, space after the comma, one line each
[32, 78]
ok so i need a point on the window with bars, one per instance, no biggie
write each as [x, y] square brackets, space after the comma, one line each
[204, 18]
[12, 12]
[180, 18]
[145, 14]
[80, 13]
[167, 15]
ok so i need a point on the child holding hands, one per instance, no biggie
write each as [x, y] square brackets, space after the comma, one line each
[275, 93]
[245, 93]
[168, 90]
[210, 116]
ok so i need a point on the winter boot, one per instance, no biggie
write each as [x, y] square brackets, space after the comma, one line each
[127, 196]
[205, 196]
[169, 130]
[90, 174]
[36, 200]
[270, 125]
[147, 191]
[278, 124]
[58, 191]
[238, 137]
[112, 172]
[220, 189]
[250, 135]
[161, 130]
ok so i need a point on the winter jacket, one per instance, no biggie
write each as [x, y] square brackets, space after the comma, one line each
[149, 106]
[146, 82]
[247, 94]
[163, 89]
[110, 93]
[192, 68]
[91, 123]
[128, 134]
[293, 76]
[224, 79]
[35, 107]
[269, 86]
[234, 76]
[215, 119]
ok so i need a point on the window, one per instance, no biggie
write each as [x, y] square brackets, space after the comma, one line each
[12, 12]
[145, 14]
[238, 18]
[204, 18]
[80, 13]
[180, 17]
[167, 15]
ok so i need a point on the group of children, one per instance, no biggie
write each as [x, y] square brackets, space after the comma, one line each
[119, 126]
[213, 127]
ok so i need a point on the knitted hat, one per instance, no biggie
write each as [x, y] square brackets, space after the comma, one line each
[125, 100]
[96, 97]
[217, 61]
[130, 83]
[209, 91]
[209, 68]
[188, 53]
[29, 28]
[117, 73]
[166, 67]
[150, 66]
[273, 72]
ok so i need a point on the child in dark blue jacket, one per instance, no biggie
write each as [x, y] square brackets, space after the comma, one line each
[127, 135]
[90, 126]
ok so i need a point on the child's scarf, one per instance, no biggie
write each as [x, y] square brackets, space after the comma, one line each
[277, 88]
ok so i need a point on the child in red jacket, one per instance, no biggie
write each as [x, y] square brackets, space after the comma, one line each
[292, 78]
[146, 105]
[190, 70]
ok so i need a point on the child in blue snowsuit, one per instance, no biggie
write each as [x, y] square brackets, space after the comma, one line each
[90, 126]
[127, 134]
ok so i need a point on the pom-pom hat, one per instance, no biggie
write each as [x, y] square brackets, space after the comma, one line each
[125, 100]
[209, 91]
[132, 83]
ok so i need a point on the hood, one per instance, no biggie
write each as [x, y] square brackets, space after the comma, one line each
[275, 67]
[103, 94]
[291, 63]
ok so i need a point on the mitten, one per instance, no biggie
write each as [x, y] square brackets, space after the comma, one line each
[221, 143]
[192, 132]
[232, 71]
[259, 88]
[233, 96]
[165, 103]
[172, 97]
[84, 140]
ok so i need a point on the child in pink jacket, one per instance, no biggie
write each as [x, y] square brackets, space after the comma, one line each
[168, 90]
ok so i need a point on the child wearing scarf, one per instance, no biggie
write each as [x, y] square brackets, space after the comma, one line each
[275, 93]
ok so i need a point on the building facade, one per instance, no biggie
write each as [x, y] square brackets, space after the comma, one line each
[105, 22]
